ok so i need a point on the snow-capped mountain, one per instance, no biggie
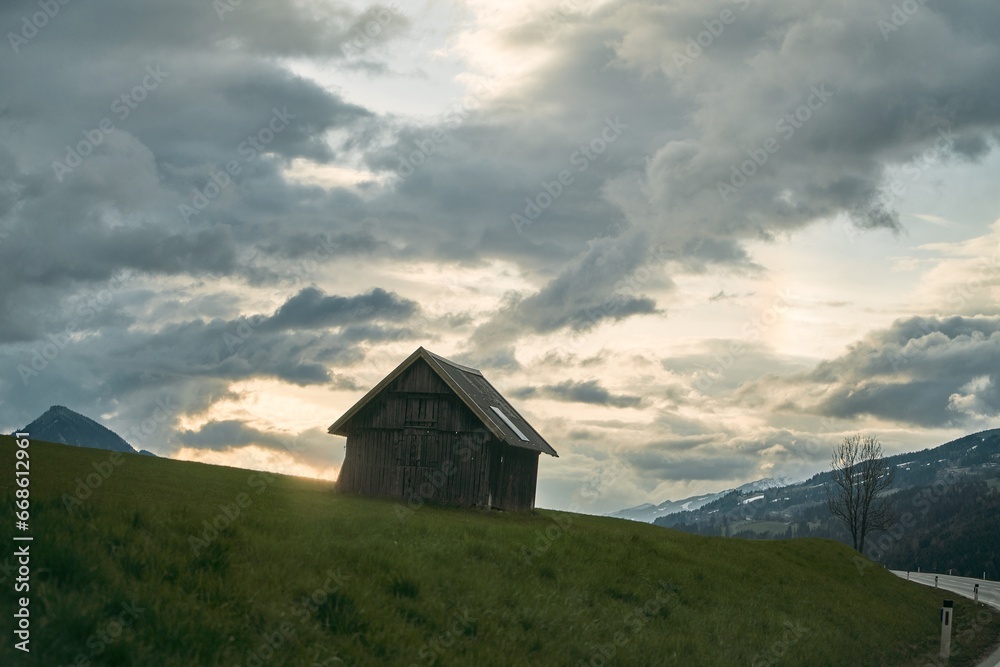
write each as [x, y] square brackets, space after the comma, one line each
[648, 512]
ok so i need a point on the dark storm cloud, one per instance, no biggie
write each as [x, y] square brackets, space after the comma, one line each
[604, 284]
[311, 309]
[838, 100]
[589, 391]
[189, 104]
[156, 124]
[321, 246]
[792, 114]
[41, 270]
[924, 371]
[192, 363]
[688, 124]
[684, 128]
[251, 26]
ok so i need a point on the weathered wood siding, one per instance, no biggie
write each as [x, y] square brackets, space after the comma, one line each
[417, 440]
[514, 472]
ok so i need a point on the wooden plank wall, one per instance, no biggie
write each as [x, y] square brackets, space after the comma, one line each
[514, 473]
[417, 437]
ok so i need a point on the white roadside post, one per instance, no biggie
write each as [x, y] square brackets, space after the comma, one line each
[975, 590]
[935, 582]
[946, 611]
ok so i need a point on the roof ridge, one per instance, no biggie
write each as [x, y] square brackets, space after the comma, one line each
[467, 369]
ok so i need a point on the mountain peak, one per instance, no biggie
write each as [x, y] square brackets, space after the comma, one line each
[62, 425]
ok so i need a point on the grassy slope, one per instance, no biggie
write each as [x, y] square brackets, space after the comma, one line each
[445, 585]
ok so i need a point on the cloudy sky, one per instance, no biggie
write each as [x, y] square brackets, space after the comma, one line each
[696, 243]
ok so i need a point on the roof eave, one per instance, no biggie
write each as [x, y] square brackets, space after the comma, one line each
[337, 428]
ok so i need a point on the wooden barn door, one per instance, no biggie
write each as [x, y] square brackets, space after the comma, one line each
[419, 459]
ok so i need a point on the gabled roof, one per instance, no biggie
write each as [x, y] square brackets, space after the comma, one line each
[492, 409]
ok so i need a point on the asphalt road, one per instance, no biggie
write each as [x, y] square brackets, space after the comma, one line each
[989, 593]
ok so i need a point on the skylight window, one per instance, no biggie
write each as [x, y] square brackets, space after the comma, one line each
[508, 422]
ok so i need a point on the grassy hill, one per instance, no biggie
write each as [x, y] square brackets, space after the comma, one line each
[134, 572]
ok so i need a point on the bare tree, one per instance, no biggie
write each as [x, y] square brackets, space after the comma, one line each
[860, 475]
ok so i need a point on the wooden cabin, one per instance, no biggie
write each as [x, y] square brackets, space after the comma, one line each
[436, 431]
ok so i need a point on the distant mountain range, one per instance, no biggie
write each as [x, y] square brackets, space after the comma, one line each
[62, 425]
[947, 500]
[649, 513]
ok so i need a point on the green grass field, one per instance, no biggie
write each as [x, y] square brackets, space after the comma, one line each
[134, 573]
